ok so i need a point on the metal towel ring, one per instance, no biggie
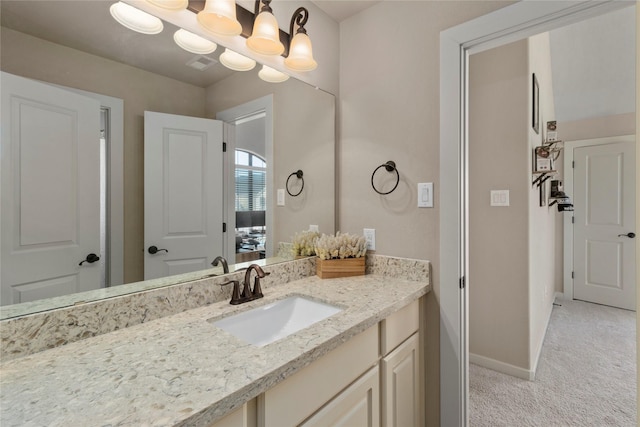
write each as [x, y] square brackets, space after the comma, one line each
[390, 166]
[297, 174]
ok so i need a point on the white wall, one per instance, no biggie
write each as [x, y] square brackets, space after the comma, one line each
[545, 223]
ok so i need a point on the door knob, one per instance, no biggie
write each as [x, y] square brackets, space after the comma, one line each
[91, 258]
[154, 250]
[629, 235]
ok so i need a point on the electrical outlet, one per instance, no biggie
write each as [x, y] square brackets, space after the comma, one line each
[370, 235]
[313, 228]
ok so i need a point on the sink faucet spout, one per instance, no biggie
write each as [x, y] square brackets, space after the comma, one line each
[225, 265]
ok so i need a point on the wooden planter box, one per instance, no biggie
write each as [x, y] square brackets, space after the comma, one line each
[332, 268]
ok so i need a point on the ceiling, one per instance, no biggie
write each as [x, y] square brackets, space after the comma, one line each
[593, 62]
[593, 66]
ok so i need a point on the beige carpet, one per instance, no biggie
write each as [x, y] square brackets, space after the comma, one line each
[586, 375]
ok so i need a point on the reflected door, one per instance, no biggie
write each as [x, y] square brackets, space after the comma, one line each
[183, 194]
[50, 191]
[604, 251]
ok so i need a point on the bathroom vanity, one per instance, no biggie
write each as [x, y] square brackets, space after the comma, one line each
[363, 363]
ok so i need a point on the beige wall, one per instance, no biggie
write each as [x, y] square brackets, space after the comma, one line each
[389, 110]
[598, 127]
[37, 59]
[304, 138]
[498, 236]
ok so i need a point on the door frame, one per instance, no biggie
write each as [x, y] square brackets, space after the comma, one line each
[515, 22]
[569, 147]
[230, 116]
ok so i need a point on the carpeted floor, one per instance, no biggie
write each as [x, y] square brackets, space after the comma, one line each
[586, 375]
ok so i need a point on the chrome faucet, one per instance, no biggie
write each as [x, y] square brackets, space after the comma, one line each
[248, 294]
[225, 265]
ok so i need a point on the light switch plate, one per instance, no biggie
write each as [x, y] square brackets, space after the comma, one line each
[499, 197]
[280, 197]
[425, 195]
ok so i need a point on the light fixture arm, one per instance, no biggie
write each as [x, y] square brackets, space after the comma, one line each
[265, 8]
[300, 17]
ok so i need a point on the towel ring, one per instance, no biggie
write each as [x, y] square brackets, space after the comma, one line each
[297, 174]
[390, 166]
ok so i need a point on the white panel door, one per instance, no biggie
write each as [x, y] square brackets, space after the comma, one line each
[50, 191]
[604, 251]
[183, 181]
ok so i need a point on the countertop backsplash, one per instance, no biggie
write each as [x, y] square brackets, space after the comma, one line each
[37, 332]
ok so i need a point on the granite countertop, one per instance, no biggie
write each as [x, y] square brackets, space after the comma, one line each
[181, 370]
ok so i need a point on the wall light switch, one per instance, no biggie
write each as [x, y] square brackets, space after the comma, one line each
[280, 197]
[499, 197]
[425, 195]
[370, 235]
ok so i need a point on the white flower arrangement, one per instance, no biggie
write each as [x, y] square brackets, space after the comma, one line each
[304, 243]
[341, 246]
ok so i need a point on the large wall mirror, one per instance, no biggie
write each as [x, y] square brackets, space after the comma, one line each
[76, 49]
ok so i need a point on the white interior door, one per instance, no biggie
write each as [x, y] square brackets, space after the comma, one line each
[604, 200]
[183, 199]
[50, 191]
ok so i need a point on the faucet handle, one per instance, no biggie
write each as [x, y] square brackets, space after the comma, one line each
[235, 295]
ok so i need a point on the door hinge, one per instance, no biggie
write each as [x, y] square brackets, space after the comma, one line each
[573, 164]
[573, 220]
[224, 147]
[224, 227]
[462, 282]
[573, 275]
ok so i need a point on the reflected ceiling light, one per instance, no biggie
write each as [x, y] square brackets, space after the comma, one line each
[170, 4]
[265, 37]
[135, 19]
[235, 61]
[219, 16]
[193, 43]
[300, 57]
[271, 75]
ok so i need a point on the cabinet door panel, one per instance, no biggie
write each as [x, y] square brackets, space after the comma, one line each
[355, 406]
[400, 385]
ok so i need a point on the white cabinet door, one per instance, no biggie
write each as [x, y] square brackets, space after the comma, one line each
[50, 193]
[604, 252]
[400, 385]
[358, 405]
[183, 181]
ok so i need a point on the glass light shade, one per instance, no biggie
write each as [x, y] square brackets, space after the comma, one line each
[300, 54]
[219, 16]
[235, 61]
[265, 38]
[270, 75]
[135, 19]
[170, 4]
[193, 43]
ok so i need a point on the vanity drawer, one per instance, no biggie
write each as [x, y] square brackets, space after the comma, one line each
[398, 327]
[299, 396]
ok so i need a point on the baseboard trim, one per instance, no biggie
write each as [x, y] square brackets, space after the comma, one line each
[544, 337]
[503, 367]
[559, 295]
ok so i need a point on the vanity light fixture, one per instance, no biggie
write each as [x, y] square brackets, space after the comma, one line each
[235, 61]
[265, 37]
[170, 4]
[135, 19]
[193, 43]
[219, 16]
[271, 75]
[300, 57]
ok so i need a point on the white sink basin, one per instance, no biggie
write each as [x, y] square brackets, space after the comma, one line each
[268, 323]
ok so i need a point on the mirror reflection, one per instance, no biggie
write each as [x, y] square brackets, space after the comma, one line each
[120, 76]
